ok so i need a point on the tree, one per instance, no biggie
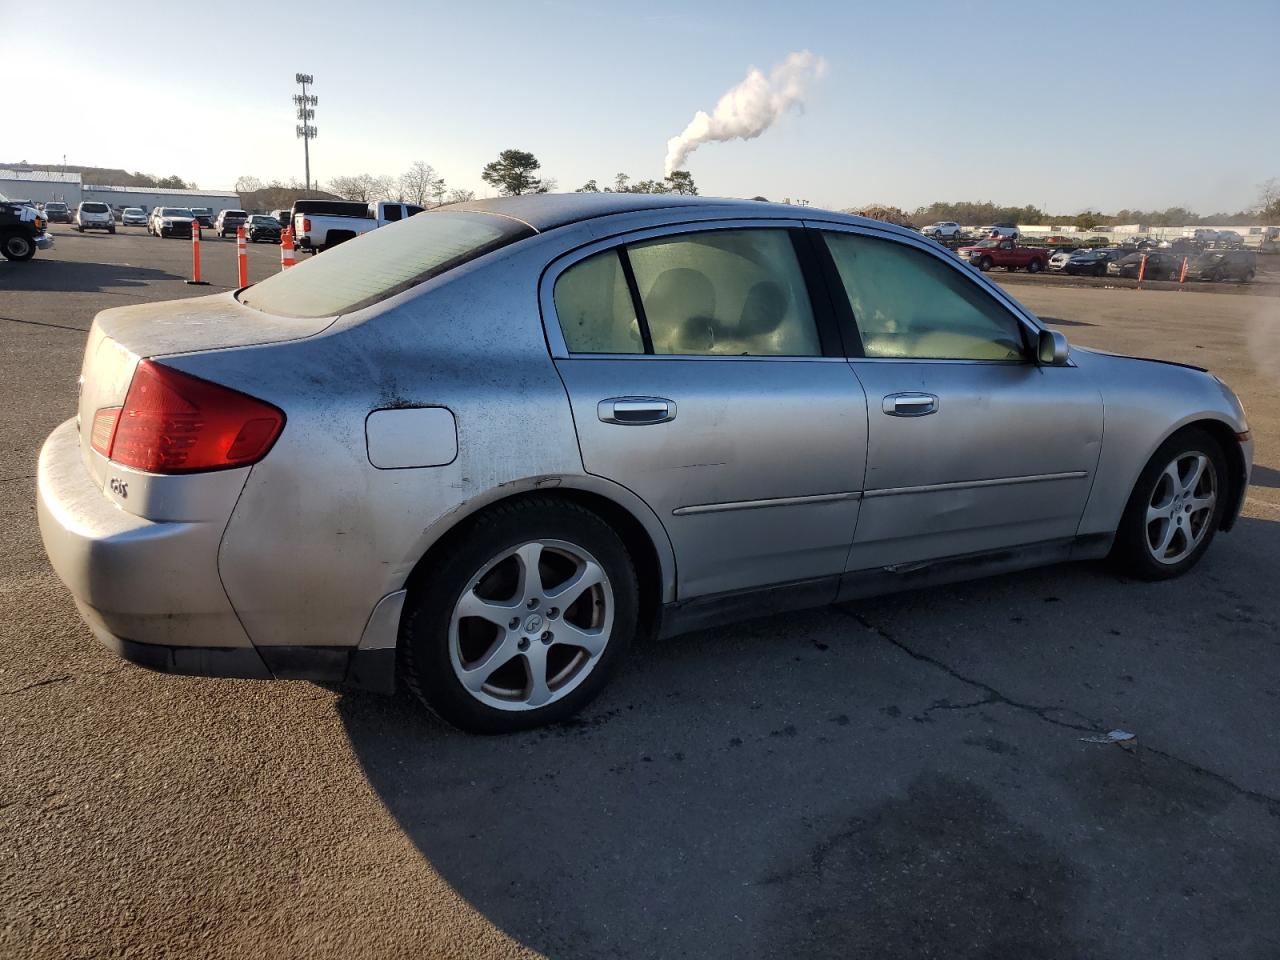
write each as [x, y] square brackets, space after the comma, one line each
[460, 196]
[247, 184]
[513, 173]
[1269, 200]
[420, 184]
[620, 183]
[365, 187]
[681, 181]
[588, 187]
[885, 215]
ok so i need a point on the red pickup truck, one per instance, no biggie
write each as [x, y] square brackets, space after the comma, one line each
[1005, 253]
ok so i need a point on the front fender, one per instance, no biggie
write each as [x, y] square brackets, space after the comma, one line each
[1144, 403]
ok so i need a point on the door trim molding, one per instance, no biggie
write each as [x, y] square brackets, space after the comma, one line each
[971, 484]
[695, 509]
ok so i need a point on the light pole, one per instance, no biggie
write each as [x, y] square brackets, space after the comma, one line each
[306, 113]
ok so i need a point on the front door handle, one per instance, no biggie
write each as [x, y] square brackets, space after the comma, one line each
[636, 411]
[910, 404]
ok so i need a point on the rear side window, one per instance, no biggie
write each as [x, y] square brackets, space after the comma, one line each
[391, 212]
[910, 305]
[382, 263]
[595, 309]
[712, 293]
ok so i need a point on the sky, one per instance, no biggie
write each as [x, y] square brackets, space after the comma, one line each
[1066, 106]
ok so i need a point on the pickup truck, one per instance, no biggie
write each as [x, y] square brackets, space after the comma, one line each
[320, 224]
[23, 230]
[1005, 253]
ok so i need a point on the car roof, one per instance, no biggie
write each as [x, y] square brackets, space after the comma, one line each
[547, 211]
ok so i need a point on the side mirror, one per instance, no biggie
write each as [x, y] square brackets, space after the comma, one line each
[1053, 348]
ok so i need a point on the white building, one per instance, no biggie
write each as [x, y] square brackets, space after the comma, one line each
[41, 186]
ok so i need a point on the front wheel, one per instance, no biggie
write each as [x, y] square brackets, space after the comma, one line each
[1175, 508]
[984, 264]
[1248, 277]
[17, 246]
[1035, 266]
[525, 619]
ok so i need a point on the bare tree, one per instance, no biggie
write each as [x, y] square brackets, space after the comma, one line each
[421, 184]
[460, 196]
[247, 184]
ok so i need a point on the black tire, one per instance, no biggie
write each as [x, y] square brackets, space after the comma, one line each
[111, 230]
[80, 228]
[17, 246]
[1035, 266]
[425, 662]
[984, 264]
[1248, 277]
[1131, 554]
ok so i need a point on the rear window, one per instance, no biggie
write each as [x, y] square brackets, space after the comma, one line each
[382, 263]
[93, 207]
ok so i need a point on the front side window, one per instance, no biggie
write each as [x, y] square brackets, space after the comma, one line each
[726, 293]
[910, 305]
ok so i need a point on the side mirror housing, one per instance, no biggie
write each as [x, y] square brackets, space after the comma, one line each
[1053, 349]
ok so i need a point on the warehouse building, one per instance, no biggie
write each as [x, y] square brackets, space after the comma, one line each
[41, 186]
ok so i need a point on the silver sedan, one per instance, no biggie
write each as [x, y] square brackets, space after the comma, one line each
[479, 451]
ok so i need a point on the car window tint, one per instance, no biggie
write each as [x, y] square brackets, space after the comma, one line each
[391, 212]
[725, 292]
[595, 309]
[908, 304]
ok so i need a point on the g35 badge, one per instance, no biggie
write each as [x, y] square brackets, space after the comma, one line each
[120, 488]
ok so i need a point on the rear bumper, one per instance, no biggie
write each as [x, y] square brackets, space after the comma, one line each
[133, 579]
[150, 590]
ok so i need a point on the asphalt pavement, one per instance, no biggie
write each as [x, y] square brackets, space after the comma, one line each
[912, 776]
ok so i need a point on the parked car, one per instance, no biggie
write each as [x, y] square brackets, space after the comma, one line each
[92, 215]
[204, 215]
[261, 227]
[23, 230]
[1228, 239]
[1239, 265]
[1089, 262]
[283, 217]
[1161, 265]
[133, 217]
[227, 222]
[943, 230]
[56, 211]
[1097, 240]
[171, 222]
[1005, 253]
[320, 224]
[540, 454]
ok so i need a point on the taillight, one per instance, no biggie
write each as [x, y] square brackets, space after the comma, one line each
[306, 224]
[172, 422]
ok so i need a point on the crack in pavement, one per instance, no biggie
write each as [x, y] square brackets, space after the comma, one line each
[61, 678]
[13, 479]
[994, 696]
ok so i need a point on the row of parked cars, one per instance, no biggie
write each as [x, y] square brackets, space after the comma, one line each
[1127, 261]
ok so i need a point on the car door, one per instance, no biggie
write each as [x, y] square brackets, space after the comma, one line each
[972, 445]
[705, 377]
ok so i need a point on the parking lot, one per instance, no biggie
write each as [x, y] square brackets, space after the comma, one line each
[904, 776]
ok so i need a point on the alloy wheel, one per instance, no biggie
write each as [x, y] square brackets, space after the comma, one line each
[1181, 507]
[531, 625]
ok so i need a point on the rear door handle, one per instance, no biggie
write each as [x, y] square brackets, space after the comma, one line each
[636, 411]
[910, 404]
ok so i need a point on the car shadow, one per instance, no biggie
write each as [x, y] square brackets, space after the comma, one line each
[44, 275]
[807, 785]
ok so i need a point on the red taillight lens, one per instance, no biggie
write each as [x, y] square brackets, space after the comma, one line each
[306, 224]
[172, 422]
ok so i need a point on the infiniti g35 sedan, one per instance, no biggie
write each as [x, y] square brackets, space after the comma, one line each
[478, 451]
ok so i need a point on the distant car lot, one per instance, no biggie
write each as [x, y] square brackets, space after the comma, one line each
[897, 776]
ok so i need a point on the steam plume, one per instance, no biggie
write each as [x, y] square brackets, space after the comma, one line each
[749, 109]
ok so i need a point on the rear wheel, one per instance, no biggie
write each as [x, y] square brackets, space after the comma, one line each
[525, 620]
[984, 264]
[1035, 266]
[17, 246]
[1175, 508]
[1248, 277]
